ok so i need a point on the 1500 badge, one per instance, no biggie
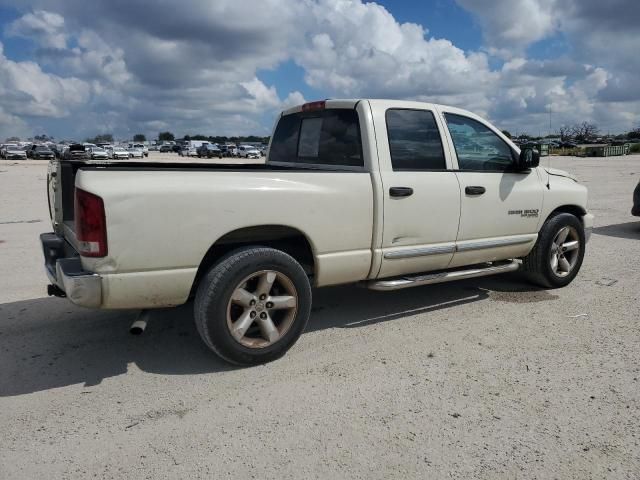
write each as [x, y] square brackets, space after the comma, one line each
[524, 213]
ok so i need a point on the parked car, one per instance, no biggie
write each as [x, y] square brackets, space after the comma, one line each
[98, 153]
[13, 152]
[248, 151]
[42, 152]
[57, 150]
[119, 153]
[135, 152]
[232, 151]
[379, 192]
[188, 151]
[165, 148]
[209, 150]
[76, 151]
[7, 146]
[176, 148]
[635, 210]
[141, 146]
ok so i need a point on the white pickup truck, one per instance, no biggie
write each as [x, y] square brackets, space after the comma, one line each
[391, 194]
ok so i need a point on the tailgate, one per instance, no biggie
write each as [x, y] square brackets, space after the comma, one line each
[61, 178]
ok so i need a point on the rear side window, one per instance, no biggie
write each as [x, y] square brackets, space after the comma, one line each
[328, 138]
[414, 140]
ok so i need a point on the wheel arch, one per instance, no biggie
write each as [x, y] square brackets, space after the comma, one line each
[575, 210]
[288, 239]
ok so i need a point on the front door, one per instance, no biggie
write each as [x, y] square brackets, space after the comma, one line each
[500, 207]
[421, 193]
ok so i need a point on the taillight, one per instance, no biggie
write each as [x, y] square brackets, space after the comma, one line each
[91, 225]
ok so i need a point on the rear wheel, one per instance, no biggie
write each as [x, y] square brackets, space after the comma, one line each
[557, 256]
[253, 305]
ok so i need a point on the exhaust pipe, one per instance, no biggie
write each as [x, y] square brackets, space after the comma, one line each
[140, 323]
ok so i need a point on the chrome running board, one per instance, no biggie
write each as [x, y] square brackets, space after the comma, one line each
[408, 281]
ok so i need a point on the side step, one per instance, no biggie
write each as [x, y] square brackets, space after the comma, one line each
[408, 281]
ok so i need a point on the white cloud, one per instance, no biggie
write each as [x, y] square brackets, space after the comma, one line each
[27, 91]
[509, 26]
[46, 28]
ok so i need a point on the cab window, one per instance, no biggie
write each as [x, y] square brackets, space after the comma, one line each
[478, 148]
[414, 140]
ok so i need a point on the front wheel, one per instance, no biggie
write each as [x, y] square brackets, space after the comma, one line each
[557, 256]
[253, 305]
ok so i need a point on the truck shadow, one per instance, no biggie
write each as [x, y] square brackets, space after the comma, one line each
[628, 230]
[48, 343]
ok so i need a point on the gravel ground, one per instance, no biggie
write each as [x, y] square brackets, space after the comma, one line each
[488, 378]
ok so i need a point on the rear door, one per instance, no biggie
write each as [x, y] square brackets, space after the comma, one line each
[421, 194]
[499, 205]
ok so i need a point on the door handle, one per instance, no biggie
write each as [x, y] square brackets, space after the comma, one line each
[401, 191]
[475, 190]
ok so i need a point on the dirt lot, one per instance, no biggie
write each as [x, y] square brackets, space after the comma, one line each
[489, 378]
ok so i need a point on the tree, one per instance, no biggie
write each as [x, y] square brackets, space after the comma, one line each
[565, 133]
[166, 137]
[635, 133]
[12, 139]
[584, 131]
[102, 138]
[506, 133]
[43, 138]
[139, 138]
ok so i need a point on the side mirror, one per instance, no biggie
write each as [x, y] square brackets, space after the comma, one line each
[529, 158]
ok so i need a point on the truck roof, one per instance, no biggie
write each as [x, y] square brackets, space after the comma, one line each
[352, 102]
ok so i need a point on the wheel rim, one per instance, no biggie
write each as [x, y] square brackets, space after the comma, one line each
[565, 250]
[262, 309]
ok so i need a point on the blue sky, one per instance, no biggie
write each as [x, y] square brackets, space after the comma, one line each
[72, 69]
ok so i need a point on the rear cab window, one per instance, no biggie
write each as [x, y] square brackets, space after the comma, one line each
[326, 139]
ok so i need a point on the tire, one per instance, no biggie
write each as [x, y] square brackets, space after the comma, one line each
[243, 272]
[538, 266]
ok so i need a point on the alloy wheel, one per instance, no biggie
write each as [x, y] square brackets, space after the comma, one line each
[262, 309]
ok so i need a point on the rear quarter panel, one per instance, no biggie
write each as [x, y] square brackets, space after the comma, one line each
[166, 220]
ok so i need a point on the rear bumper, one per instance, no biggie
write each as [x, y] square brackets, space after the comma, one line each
[64, 270]
[131, 290]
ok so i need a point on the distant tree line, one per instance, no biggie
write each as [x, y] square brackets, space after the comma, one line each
[168, 136]
[102, 138]
[580, 132]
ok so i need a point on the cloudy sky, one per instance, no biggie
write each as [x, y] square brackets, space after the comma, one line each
[76, 68]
